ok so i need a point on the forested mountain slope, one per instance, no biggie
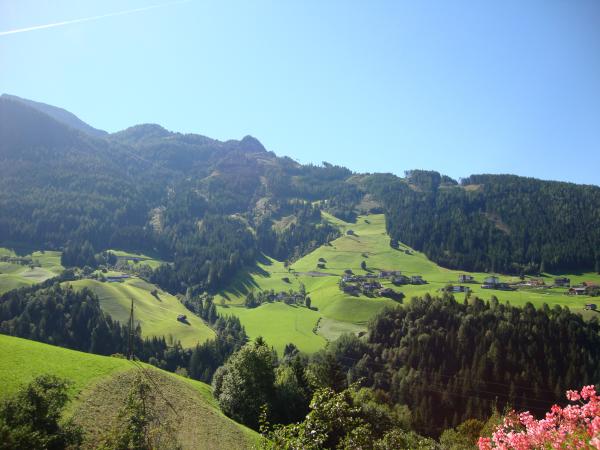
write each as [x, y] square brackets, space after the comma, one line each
[496, 223]
[213, 207]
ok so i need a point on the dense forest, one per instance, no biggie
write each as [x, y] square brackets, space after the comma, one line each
[496, 223]
[450, 361]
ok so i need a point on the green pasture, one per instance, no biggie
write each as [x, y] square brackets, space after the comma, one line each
[339, 312]
[13, 276]
[156, 315]
[99, 384]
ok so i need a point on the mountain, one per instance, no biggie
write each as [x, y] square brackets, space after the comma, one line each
[59, 115]
[213, 207]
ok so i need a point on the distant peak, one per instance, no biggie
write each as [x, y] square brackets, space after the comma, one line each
[251, 144]
[142, 132]
[61, 115]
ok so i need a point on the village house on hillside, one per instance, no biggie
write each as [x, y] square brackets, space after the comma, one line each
[389, 273]
[591, 307]
[417, 279]
[562, 282]
[579, 290]
[491, 281]
[462, 278]
[400, 280]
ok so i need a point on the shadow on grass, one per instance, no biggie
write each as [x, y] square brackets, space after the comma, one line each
[244, 281]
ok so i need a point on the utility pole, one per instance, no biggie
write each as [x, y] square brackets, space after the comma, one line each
[130, 343]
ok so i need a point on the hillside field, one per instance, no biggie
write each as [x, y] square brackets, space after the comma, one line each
[339, 312]
[100, 384]
[13, 276]
[156, 315]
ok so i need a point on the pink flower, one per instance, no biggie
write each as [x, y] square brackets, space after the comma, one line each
[573, 427]
[573, 396]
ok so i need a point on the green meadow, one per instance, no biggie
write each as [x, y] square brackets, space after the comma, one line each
[99, 384]
[157, 315]
[13, 276]
[138, 258]
[337, 312]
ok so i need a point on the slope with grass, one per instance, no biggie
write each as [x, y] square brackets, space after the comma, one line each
[137, 258]
[13, 276]
[365, 240]
[100, 384]
[157, 314]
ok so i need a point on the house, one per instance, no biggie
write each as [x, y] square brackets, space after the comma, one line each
[349, 278]
[579, 290]
[504, 287]
[351, 289]
[400, 280]
[458, 289]
[491, 281]
[589, 284]
[182, 318]
[117, 278]
[562, 282]
[371, 285]
[417, 279]
[462, 278]
[591, 306]
[389, 273]
[370, 275]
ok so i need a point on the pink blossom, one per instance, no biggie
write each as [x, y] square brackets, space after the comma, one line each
[577, 426]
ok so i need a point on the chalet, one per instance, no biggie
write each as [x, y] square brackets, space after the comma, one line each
[562, 282]
[491, 281]
[400, 280]
[349, 278]
[591, 306]
[417, 279]
[386, 292]
[389, 273]
[371, 285]
[370, 275]
[462, 278]
[182, 318]
[351, 289]
[579, 290]
[589, 284]
[458, 289]
[117, 278]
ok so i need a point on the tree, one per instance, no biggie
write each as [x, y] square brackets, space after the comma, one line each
[246, 382]
[31, 418]
[307, 302]
[363, 265]
[138, 424]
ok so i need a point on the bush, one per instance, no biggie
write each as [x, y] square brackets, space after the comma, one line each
[30, 419]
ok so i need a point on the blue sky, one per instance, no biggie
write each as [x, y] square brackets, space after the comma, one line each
[455, 86]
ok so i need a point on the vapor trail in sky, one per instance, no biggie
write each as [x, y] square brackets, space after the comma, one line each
[88, 19]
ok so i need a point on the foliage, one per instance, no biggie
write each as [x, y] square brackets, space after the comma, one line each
[138, 424]
[31, 418]
[343, 420]
[451, 361]
[73, 319]
[246, 382]
[496, 223]
[574, 426]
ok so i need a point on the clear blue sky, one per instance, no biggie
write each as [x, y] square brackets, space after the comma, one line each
[459, 87]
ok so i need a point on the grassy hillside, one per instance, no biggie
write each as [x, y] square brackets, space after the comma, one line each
[13, 276]
[157, 315]
[101, 383]
[137, 258]
[339, 312]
